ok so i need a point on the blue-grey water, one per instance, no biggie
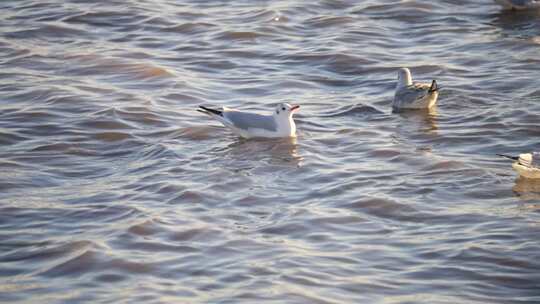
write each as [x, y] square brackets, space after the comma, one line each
[115, 190]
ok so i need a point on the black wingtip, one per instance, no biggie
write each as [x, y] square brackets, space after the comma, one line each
[509, 156]
[206, 110]
[434, 87]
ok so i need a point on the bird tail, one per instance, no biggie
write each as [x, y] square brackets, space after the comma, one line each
[209, 111]
[434, 87]
[509, 156]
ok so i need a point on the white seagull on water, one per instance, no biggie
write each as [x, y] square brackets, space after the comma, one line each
[249, 125]
[527, 164]
[414, 95]
[519, 4]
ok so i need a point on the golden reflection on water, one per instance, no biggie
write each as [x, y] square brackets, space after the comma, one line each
[430, 120]
[527, 189]
[424, 120]
[281, 151]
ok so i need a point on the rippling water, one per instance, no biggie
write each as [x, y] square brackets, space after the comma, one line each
[115, 190]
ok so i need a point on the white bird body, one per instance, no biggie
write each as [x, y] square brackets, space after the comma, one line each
[519, 4]
[414, 95]
[527, 164]
[250, 125]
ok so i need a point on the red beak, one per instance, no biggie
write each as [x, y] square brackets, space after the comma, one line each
[295, 107]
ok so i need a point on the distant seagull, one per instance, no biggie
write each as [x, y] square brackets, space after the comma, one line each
[415, 95]
[248, 125]
[527, 164]
[519, 4]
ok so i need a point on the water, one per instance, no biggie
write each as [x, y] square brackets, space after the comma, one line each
[115, 190]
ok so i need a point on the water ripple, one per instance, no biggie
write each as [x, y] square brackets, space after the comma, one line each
[115, 189]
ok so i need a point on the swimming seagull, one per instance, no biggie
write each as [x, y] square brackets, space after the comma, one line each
[414, 95]
[248, 125]
[519, 4]
[527, 164]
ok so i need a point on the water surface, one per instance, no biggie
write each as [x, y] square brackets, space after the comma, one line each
[115, 190]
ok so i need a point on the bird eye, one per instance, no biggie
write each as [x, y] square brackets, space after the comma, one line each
[283, 109]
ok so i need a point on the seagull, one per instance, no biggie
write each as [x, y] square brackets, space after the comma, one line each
[527, 164]
[249, 125]
[414, 95]
[519, 4]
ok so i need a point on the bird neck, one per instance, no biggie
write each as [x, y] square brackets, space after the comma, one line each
[405, 81]
[286, 124]
[292, 126]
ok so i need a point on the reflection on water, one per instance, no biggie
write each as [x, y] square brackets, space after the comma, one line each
[527, 189]
[281, 151]
[425, 119]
